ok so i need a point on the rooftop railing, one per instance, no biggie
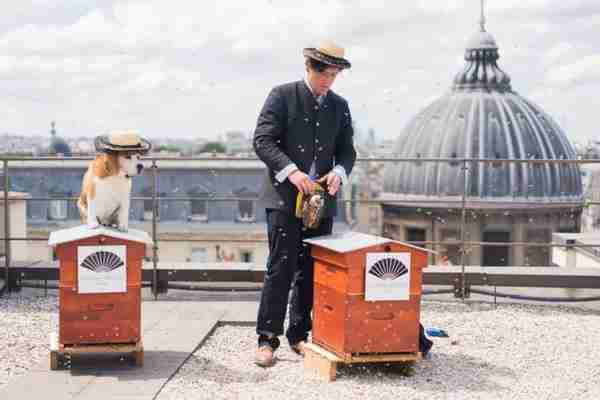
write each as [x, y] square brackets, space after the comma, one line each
[460, 276]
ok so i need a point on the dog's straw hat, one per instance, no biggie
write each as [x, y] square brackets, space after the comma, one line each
[125, 141]
[329, 53]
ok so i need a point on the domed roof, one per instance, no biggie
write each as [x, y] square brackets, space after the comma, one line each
[483, 118]
[57, 144]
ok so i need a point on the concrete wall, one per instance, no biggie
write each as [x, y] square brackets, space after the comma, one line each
[574, 258]
[180, 251]
[17, 226]
[522, 227]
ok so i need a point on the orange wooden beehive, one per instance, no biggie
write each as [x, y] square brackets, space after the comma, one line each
[343, 321]
[100, 285]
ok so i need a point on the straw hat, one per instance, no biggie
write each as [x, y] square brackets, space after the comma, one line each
[126, 141]
[329, 53]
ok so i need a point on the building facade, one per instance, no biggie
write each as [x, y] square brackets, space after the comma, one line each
[207, 210]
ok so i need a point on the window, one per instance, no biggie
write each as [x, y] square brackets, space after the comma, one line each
[199, 210]
[416, 235]
[57, 209]
[198, 203]
[149, 204]
[391, 231]
[199, 255]
[537, 256]
[496, 255]
[246, 256]
[373, 214]
[451, 250]
[454, 163]
[571, 225]
[245, 209]
[224, 254]
[418, 163]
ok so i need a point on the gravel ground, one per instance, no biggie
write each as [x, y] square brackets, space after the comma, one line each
[509, 352]
[514, 351]
[25, 322]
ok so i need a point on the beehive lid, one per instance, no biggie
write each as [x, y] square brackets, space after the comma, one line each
[351, 241]
[83, 232]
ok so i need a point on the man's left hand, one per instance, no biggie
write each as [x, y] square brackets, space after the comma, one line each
[333, 182]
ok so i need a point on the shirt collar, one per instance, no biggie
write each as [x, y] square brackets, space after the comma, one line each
[320, 98]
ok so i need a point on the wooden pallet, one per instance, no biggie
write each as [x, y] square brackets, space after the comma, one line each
[325, 362]
[60, 354]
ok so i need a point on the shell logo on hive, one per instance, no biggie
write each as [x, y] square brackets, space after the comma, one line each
[388, 269]
[102, 261]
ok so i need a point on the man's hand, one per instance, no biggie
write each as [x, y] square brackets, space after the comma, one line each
[333, 182]
[301, 181]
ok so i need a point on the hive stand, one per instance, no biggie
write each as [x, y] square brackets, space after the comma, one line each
[60, 355]
[325, 363]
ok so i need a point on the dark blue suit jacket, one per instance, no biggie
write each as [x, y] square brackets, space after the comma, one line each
[293, 128]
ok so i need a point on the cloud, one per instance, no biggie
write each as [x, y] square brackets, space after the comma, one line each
[198, 68]
[582, 71]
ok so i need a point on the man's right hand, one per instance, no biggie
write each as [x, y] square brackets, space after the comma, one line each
[302, 182]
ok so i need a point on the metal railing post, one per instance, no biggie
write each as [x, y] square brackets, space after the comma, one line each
[7, 255]
[463, 223]
[154, 235]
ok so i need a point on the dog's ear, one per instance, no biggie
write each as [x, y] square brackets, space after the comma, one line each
[99, 166]
[106, 165]
[112, 164]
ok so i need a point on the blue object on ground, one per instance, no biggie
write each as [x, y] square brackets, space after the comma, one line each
[436, 332]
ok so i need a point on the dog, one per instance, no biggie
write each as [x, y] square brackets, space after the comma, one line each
[106, 189]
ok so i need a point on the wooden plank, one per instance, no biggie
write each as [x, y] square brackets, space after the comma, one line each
[103, 348]
[138, 357]
[320, 362]
[392, 357]
[363, 358]
[322, 352]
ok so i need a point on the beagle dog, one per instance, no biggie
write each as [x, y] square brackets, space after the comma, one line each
[106, 189]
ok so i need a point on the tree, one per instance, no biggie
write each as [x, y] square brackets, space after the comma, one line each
[212, 147]
[169, 148]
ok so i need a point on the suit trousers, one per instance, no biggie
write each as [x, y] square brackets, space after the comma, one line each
[289, 266]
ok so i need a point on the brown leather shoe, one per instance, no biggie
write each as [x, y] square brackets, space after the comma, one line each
[298, 348]
[264, 356]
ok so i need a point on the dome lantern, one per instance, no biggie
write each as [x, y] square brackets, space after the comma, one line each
[57, 144]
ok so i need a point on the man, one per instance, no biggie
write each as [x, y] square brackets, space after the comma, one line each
[304, 133]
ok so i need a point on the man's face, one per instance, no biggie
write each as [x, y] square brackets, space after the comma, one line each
[321, 81]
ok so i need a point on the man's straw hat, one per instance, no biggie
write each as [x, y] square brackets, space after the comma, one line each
[329, 53]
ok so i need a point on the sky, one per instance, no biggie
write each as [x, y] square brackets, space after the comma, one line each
[196, 69]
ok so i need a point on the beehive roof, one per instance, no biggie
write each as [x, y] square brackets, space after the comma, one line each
[83, 232]
[345, 242]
